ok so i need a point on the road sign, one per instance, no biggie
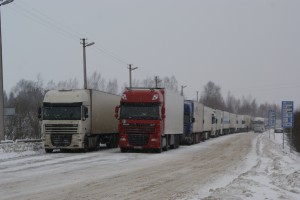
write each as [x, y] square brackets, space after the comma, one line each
[287, 114]
[272, 118]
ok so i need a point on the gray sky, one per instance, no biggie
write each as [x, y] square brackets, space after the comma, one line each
[250, 48]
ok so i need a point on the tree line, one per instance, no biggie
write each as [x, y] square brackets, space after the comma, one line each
[27, 96]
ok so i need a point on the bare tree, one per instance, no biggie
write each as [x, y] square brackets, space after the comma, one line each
[26, 97]
[148, 82]
[112, 86]
[170, 83]
[212, 96]
[95, 81]
[62, 85]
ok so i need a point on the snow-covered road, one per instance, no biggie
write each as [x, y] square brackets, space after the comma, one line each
[238, 166]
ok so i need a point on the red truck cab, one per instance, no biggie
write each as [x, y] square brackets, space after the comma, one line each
[141, 119]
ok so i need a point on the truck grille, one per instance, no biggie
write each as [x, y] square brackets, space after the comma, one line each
[138, 139]
[139, 128]
[61, 128]
[61, 140]
[138, 134]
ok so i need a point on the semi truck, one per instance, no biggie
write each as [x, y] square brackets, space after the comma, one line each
[149, 118]
[78, 119]
[193, 122]
[258, 124]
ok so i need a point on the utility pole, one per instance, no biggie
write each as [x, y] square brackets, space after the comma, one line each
[183, 86]
[157, 80]
[131, 69]
[197, 96]
[2, 136]
[84, 45]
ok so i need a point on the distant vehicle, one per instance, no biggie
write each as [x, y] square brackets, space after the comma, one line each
[258, 125]
[278, 130]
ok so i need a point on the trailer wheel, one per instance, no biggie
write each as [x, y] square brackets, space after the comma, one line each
[176, 142]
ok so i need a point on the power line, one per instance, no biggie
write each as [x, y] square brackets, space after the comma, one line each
[64, 30]
[52, 20]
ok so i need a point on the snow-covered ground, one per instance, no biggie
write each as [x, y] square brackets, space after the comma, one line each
[271, 171]
[238, 166]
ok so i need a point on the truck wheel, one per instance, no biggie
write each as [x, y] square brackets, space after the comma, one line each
[123, 150]
[176, 145]
[159, 150]
[49, 150]
[86, 145]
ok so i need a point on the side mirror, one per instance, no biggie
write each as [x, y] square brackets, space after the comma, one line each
[193, 120]
[86, 112]
[40, 113]
[117, 112]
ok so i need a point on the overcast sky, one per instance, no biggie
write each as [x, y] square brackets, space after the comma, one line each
[250, 48]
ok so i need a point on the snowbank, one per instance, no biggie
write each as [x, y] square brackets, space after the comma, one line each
[20, 149]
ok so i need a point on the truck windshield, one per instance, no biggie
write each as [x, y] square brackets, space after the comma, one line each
[258, 122]
[140, 111]
[62, 111]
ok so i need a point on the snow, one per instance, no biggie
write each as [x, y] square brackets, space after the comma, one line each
[16, 150]
[271, 171]
[267, 172]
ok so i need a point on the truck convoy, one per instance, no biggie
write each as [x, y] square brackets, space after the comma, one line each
[145, 118]
[149, 118]
[78, 119]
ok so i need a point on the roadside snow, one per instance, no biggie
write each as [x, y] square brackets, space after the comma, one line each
[268, 172]
[16, 150]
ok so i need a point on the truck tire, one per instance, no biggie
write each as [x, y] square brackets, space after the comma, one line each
[85, 145]
[159, 150]
[166, 148]
[49, 150]
[123, 150]
[176, 142]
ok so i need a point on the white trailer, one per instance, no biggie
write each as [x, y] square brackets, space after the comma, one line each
[174, 104]
[218, 121]
[209, 127]
[240, 123]
[233, 123]
[198, 115]
[78, 119]
[225, 123]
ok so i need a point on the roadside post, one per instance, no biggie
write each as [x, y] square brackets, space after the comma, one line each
[287, 116]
